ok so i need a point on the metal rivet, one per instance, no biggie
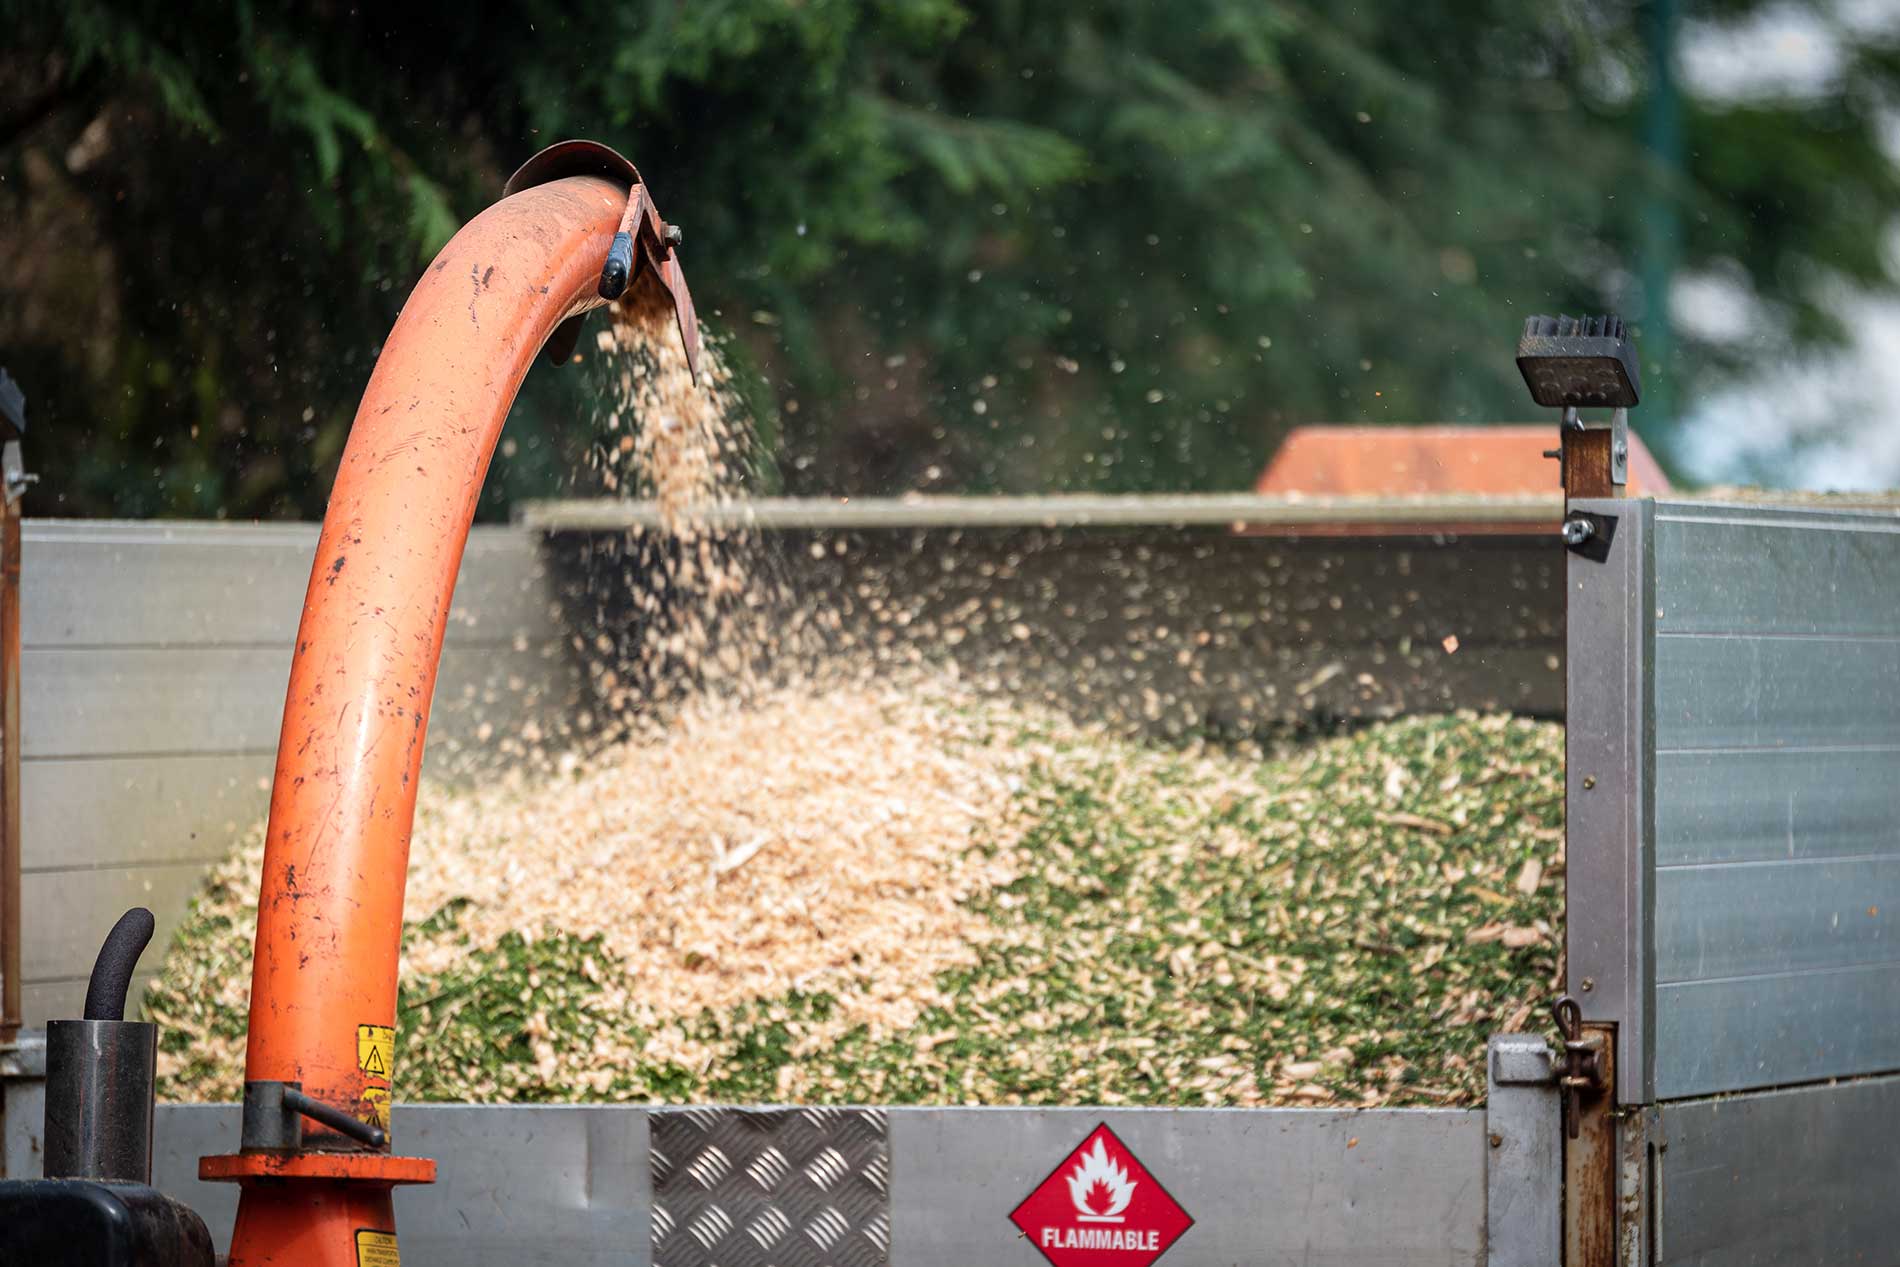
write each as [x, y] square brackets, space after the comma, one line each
[1497, 1140]
[1589, 984]
[1589, 781]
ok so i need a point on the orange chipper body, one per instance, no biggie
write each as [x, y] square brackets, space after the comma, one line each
[323, 986]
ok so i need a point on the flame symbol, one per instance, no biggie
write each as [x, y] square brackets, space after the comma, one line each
[1100, 1189]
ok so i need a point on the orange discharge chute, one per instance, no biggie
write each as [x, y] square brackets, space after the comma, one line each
[329, 923]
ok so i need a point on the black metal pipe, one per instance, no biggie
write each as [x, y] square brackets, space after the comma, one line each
[334, 1118]
[99, 1081]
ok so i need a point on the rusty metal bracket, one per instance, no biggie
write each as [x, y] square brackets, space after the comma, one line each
[1583, 1070]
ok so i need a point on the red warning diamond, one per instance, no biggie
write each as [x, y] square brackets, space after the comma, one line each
[1101, 1208]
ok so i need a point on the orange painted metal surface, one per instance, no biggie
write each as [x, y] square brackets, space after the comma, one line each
[323, 989]
[314, 1224]
[375, 1168]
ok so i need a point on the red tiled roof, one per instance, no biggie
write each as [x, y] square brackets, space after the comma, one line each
[1398, 461]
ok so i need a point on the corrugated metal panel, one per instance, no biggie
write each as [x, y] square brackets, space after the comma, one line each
[1728, 919]
[1731, 691]
[154, 666]
[1269, 1186]
[151, 701]
[64, 910]
[180, 701]
[1803, 1176]
[1774, 805]
[1767, 1030]
[1762, 570]
[1776, 838]
[81, 814]
[111, 584]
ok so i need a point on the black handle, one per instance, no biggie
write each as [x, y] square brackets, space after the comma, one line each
[334, 1118]
[618, 268]
[112, 970]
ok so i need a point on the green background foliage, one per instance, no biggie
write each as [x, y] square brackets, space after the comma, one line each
[951, 244]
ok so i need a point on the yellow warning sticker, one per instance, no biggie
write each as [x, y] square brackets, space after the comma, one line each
[376, 1249]
[375, 1050]
[378, 1100]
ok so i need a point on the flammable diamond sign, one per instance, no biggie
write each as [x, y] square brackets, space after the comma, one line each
[1101, 1208]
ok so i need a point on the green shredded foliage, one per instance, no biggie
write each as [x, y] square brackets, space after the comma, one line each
[1341, 923]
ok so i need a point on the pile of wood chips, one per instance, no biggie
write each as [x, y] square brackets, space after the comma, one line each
[915, 895]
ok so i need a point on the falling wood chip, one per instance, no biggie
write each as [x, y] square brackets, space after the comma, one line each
[1417, 823]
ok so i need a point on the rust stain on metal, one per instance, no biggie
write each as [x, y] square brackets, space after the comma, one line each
[1590, 1166]
[1586, 462]
[1633, 1190]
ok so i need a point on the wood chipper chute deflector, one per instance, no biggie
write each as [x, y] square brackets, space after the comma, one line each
[575, 226]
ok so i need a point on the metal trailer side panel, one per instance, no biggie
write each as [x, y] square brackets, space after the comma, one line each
[517, 1184]
[1608, 792]
[1807, 1175]
[1777, 759]
[1266, 1187]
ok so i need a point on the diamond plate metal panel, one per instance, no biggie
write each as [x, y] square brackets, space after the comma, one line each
[770, 1188]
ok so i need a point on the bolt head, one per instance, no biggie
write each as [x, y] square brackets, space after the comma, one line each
[1576, 531]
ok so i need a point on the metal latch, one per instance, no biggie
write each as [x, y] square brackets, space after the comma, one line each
[1580, 1072]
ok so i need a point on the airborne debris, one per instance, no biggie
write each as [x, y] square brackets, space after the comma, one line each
[804, 867]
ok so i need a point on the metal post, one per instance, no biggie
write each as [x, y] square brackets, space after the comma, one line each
[1589, 459]
[13, 482]
[1523, 1174]
[1661, 239]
